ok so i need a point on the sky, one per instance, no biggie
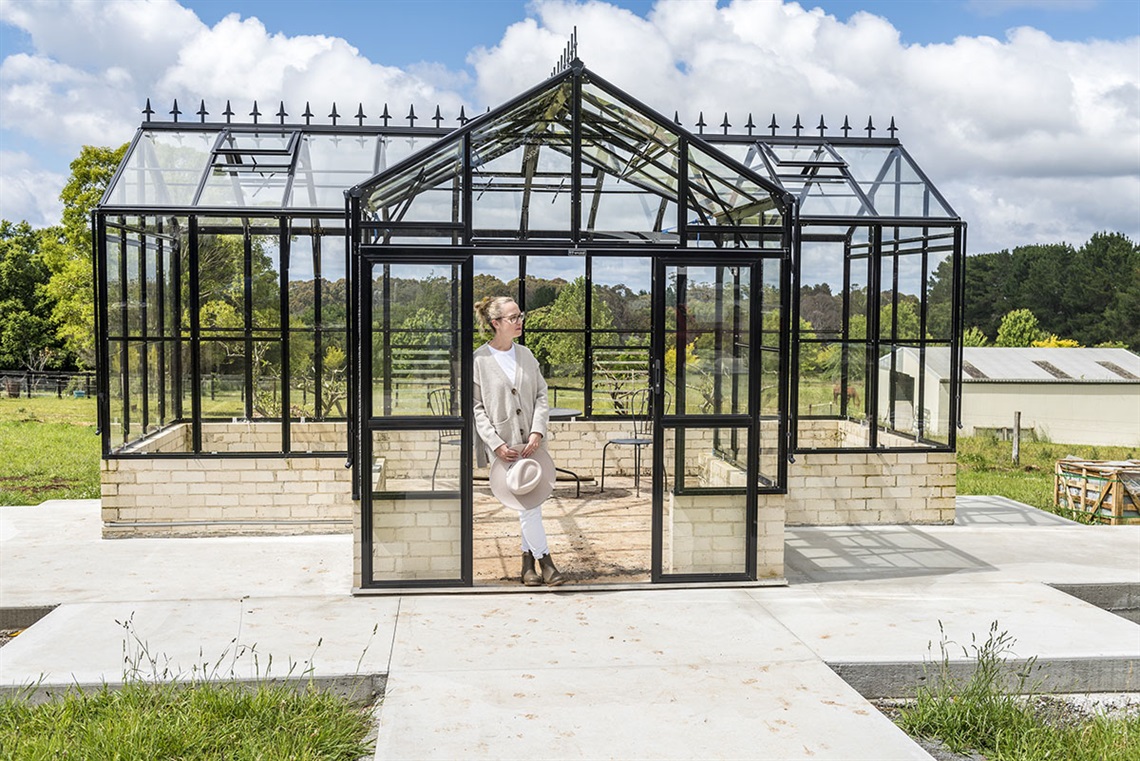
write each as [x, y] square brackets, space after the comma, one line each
[1024, 113]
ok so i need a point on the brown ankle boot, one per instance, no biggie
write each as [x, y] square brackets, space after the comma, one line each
[550, 574]
[529, 577]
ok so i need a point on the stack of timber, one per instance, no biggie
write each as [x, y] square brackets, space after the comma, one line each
[1108, 492]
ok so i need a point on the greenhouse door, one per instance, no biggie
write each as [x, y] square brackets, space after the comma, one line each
[706, 428]
[415, 338]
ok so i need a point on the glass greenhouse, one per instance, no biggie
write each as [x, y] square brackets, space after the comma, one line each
[294, 296]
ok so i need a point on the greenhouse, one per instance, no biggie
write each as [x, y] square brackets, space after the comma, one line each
[285, 323]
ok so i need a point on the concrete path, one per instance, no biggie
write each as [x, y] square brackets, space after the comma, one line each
[681, 673]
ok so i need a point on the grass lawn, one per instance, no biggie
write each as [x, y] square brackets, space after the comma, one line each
[50, 450]
[985, 467]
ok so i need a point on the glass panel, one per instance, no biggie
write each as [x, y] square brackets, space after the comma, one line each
[164, 169]
[428, 191]
[223, 379]
[221, 283]
[328, 164]
[939, 295]
[555, 332]
[265, 283]
[705, 533]
[724, 196]
[416, 528]
[245, 186]
[898, 393]
[935, 403]
[115, 296]
[117, 402]
[499, 276]
[707, 313]
[415, 335]
[134, 284]
[621, 331]
[334, 283]
[334, 375]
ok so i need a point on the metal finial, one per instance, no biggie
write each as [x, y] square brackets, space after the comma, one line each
[148, 111]
[676, 119]
[360, 115]
[822, 127]
[797, 126]
[281, 112]
[385, 116]
[724, 125]
[228, 113]
[202, 112]
[701, 123]
[308, 115]
[334, 115]
[892, 129]
[255, 113]
[175, 111]
[412, 115]
[846, 126]
[870, 127]
[772, 127]
[750, 126]
[462, 116]
[438, 117]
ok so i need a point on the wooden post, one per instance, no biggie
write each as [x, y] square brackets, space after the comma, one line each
[1017, 438]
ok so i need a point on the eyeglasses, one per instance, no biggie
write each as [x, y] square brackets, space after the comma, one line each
[515, 319]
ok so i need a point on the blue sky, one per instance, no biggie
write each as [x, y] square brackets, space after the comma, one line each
[1025, 113]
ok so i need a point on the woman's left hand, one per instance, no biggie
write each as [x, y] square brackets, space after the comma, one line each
[532, 444]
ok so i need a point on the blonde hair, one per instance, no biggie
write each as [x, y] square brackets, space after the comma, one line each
[490, 308]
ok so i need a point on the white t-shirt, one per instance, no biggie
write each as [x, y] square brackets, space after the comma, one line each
[507, 360]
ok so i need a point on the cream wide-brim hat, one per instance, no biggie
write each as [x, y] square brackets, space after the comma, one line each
[524, 484]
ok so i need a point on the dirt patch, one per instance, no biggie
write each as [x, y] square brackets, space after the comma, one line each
[16, 484]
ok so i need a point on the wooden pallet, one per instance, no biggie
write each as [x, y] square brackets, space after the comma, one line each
[1108, 492]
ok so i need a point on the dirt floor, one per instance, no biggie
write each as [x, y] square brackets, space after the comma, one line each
[595, 538]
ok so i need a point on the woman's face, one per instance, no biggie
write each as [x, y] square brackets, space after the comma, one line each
[510, 325]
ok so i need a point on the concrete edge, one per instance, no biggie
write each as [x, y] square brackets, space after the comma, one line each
[359, 689]
[1123, 598]
[901, 679]
[24, 616]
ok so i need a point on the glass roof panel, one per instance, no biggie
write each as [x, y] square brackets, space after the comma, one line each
[892, 183]
[163, 169]
[425, 191]
[722, 195]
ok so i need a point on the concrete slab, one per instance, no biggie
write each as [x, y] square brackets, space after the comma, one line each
[754, 709]
[606, 630]
[973, 510]
[243, 638]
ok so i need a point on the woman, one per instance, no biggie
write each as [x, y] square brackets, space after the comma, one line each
[511, 414]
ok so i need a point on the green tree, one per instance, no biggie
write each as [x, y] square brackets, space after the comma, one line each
[974, 336]
[1018, 328]
[67, 253]
[567, 313]
[27, 328]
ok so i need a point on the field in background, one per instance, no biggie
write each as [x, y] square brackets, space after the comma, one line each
[50, 451]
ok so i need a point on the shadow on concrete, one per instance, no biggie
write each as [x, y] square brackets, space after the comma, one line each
[1002, 511]
[856, 553]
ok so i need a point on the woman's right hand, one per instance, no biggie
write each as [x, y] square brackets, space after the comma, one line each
[506, 454]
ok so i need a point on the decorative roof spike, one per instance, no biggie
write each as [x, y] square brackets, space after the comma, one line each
[281, 112]
[870, 127]
[797, 126]
[822, 127]
[360, 115]
[892, 129]
[385, 116]
[412, 115]
[701, 123]
[438, 117]
[228, 113]
[724, 125]
[255, 113]
[202, 112]
[772, 127]
[750, 126]
[148, 111]
[308, 115]
[175, 111]
[462, 116]
[846, 126]
[676, 119]
[334, 115]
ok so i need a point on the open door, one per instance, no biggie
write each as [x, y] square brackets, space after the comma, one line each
[707, 382]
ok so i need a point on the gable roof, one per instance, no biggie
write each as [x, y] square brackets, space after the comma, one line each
[991, 364]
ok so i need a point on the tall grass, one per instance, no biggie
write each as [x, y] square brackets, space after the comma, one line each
[991, 713]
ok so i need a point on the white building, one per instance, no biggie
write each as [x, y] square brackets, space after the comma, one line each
[1072, 396]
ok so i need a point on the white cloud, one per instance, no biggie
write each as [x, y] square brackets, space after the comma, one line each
[1028, 138]
[28, 192]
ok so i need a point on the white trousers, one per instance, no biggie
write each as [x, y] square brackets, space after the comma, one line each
[533, 533]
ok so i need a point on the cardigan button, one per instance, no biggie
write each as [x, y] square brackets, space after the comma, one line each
[518, 412]
[514, 391]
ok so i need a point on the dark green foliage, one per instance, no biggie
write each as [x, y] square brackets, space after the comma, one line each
[28, 331]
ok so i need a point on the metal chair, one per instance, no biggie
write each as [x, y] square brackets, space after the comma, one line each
[439, 403]
[641, 434]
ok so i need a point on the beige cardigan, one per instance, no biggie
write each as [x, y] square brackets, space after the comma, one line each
[508, 410]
